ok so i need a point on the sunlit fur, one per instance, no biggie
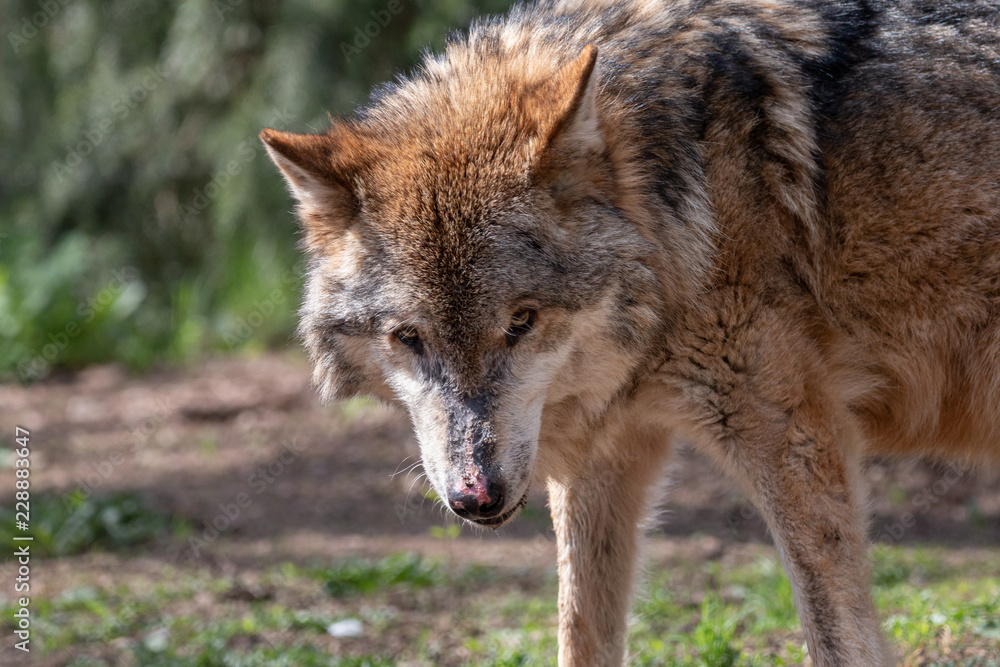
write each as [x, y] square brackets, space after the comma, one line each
[769, 227]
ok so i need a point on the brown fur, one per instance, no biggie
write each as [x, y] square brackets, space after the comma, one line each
[769, 227]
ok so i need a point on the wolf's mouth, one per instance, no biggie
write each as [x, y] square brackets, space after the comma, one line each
[497, 521]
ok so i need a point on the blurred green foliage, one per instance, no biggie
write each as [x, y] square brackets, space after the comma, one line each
[140, 220]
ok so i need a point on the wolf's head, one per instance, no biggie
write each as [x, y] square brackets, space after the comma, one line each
[471, 258]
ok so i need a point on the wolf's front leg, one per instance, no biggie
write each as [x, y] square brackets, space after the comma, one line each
[597, 511]
[808, 501]
[800, 474]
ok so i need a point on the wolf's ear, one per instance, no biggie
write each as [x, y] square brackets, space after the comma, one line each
[314, 168]
[564, 107]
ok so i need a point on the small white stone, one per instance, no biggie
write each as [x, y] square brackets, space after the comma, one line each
[158, 640]
[350, 627]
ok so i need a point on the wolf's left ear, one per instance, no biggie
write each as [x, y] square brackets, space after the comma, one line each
[314, 168]
[564, 107]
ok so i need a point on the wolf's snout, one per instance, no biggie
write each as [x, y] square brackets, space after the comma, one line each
[476, 498]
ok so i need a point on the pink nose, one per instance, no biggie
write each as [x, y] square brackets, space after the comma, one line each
[476, 498]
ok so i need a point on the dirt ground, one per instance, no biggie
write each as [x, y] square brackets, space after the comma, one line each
[326, 482]
[337, 477]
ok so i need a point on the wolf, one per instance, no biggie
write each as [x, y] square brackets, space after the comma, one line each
[590, 230]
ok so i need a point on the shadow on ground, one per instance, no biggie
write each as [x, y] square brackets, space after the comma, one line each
[250, 434]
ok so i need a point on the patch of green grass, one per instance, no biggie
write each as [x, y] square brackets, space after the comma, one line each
[87, 615]
[360, 577]
[738, 607]
[450, 532]
[747, 617]
[148, 629]
[75, 523]
[283, 656]
[689, 614]
[917, 613]
[355, 409]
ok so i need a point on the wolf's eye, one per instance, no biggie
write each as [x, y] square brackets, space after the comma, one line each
[520, 324]
[409, 337]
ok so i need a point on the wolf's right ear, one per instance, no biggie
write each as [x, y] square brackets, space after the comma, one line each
[316, 173]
